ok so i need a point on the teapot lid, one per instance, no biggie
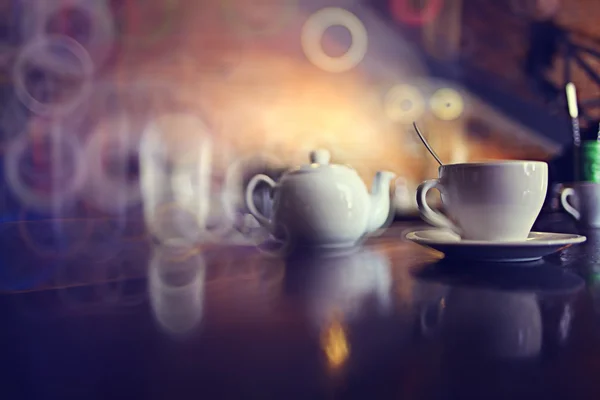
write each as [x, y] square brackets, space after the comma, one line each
[320, 157]
[319, 161]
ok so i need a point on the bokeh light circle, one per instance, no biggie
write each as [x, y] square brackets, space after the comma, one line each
[447, 104]
[99, 24]
[36, 199]
[315, 27]
[404, 103]
[239, 20]
[35, 51]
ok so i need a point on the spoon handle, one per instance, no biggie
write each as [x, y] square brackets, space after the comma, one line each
[427, 144]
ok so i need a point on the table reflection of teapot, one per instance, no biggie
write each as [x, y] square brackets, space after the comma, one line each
[176, 285]
[323, 204]
[493, 323]
[340, 284]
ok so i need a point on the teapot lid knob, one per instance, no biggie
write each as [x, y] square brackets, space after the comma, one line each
[320, 157]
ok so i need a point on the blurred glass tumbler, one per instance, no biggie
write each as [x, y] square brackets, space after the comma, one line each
[590, 161]
[177, 190]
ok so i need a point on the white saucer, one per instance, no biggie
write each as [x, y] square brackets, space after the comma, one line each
[537, 245]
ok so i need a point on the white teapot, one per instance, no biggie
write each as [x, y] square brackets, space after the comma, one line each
[323, 205]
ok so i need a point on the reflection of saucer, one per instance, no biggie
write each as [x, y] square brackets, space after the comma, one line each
[537, 245]
[541, 277]
[292, 248]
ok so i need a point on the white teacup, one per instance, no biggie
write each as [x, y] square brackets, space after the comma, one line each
[495, 201]
[582, 201]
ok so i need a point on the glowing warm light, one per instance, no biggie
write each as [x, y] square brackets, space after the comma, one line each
[447, 104]
[335, 344]
[404, 103]
[315, 27]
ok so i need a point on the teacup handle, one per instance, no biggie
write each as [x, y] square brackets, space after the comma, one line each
[262, 219]
[564, 201]
[429, 215]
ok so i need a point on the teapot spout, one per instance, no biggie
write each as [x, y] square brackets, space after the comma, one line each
[380, 200]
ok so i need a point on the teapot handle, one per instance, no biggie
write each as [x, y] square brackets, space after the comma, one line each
[263, 220]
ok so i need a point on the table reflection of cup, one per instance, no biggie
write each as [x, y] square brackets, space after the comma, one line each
[493, 323]
[176, 181]
[176, 286]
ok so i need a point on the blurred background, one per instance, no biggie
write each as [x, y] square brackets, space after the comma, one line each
[105, 102]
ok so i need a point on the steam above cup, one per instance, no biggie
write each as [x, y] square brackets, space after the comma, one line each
[495, 201]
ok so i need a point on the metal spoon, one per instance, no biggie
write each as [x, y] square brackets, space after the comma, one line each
[427, 144]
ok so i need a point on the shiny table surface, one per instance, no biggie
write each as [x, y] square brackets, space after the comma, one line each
[123, 318]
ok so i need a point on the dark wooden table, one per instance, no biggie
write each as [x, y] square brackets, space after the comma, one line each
[112, 318]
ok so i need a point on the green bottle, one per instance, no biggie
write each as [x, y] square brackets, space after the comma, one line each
[590, 161]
